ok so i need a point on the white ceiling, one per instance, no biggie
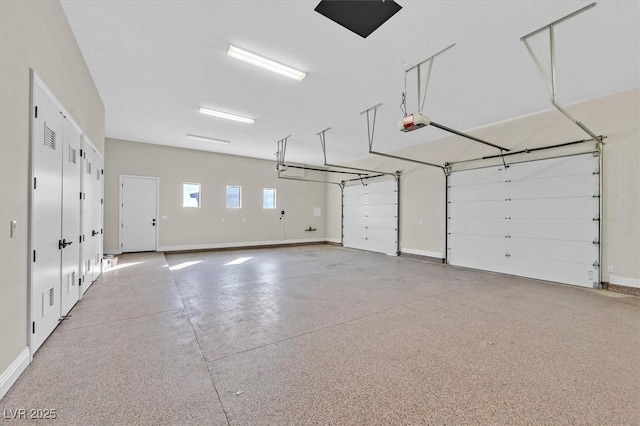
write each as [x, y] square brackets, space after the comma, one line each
[156, 62]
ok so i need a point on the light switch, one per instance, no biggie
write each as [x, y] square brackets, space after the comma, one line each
[14, 225]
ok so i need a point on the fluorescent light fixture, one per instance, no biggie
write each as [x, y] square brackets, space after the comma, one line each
[265, 63]
[226, 115]
[206, 139]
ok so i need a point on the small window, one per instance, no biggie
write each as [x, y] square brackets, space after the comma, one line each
[234, 197]
[268, 198]
[190, 195]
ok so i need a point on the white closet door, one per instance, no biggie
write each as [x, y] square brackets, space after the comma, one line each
[538, 219]
[88, 261]
[46, 217]
[96, 180]
[370, 216]
[139, 205]
[70, 284]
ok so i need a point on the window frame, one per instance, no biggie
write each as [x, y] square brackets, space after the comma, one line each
[199, 194]
[275, 197]
[239, 197]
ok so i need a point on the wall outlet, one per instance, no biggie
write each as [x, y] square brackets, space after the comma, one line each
[610, 269]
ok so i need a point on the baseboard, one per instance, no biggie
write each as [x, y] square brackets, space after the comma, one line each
[624, 281]
[11, 374]
[634, 291]
[334, 241]
[247, 244]
[436, 254]
[114, 252]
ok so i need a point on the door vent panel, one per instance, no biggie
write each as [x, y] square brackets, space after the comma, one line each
[47, 301]
[73, 153]
[49, 137]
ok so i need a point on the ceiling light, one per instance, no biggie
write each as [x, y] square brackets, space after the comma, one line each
[226, 115]
[205, 139]
[265, 63]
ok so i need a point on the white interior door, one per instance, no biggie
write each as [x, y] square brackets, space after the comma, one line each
[70, 252]
[46, 217]
[98, 203]
[537, 219]
[370, 216]
[139, 201]
[87, 214]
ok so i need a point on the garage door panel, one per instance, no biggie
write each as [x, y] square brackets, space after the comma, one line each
[486, 192]
[562, 166]
[547, 215]
[478, 260]
[487, 225]
[355, 211]
[382, 222]
[374, 199]
[562, 229]
[479, 243]
[554, 187]
[581, 274]
[477, 176]
[360, 232]
[480, 209]
[557, 208]
[568, 251]
[370, 219]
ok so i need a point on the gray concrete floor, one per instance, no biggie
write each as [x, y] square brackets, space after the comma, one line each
[325, 335]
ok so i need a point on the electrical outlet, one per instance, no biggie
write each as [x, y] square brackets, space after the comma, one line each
[14, 225]
[610, 269]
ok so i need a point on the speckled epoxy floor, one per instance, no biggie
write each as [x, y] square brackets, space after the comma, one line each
[324, 335]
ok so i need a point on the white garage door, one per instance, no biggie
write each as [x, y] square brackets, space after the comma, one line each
[537, 219]
[370, 216]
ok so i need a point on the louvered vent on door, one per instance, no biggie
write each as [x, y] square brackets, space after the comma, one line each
[49, 137]
[98, 174]
[88, 167]
[47, 301]
[72, 155]
[71, 280]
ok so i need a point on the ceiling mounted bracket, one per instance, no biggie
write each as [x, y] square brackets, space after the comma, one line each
[422, 120]
[422, 94]
[551, 78]
[371, 127]
[322, 135]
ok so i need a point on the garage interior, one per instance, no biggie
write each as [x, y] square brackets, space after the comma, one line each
[435, 222]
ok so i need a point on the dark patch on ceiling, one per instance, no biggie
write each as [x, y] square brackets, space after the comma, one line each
[362, 17]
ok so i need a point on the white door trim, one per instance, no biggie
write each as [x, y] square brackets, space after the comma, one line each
[122, 177]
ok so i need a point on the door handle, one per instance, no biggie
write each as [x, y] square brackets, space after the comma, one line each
[153, 223]
[94, 233]
[63, 243]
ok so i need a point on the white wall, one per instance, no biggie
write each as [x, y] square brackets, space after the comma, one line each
[422, 188]
[212, 224]
[33, 34]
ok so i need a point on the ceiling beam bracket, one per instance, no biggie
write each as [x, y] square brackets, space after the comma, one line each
[550, 78]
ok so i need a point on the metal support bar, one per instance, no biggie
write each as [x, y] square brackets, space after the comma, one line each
[322, 136]
[371, 124]
[556, 22]
[577, 123]
[306, 180]
[317, 169]
[282, 150]
[422, 94]
[551, 81]
[464, 135]
[526, 151]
